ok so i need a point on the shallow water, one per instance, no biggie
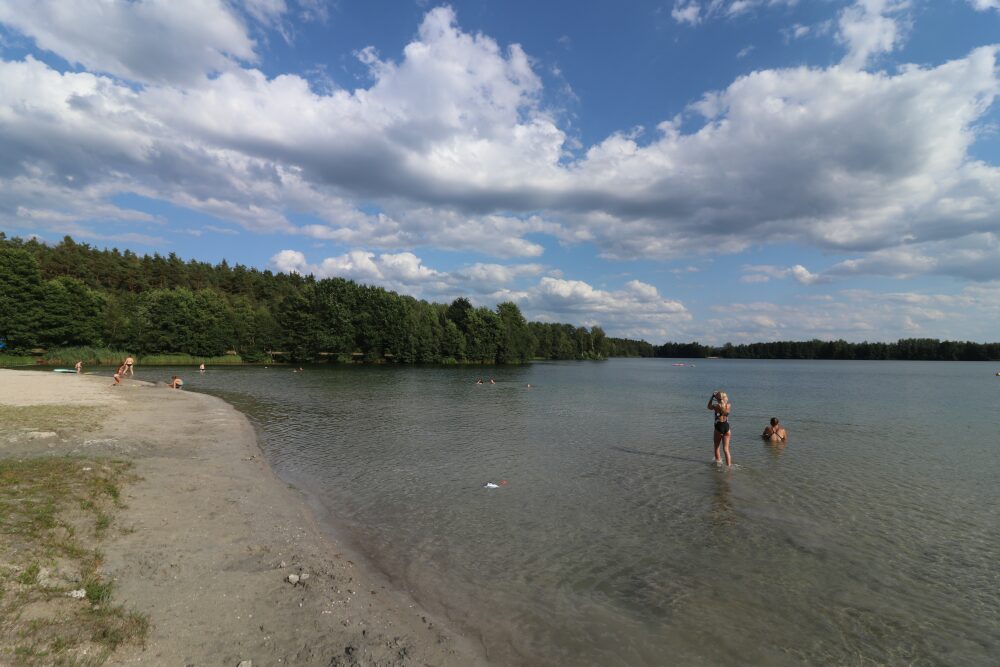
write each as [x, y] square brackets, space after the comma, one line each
[872, 537]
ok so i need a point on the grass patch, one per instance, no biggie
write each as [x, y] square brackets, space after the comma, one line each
[105, 356]
[92, 356]
[187, 360]
[14, 360]
[58, 418]
[53, 512]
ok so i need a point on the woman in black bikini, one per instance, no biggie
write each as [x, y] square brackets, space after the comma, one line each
[719, 403]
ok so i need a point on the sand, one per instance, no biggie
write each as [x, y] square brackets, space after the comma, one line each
[213, 535]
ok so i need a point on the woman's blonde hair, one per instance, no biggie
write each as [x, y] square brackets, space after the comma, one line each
[723, 396]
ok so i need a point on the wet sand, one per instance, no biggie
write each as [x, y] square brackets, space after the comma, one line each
[212, 536]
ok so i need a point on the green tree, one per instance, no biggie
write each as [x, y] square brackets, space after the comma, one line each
[71, 313]
[516, 344]
[20, 298]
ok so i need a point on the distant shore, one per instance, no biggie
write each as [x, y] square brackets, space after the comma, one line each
[208, 537]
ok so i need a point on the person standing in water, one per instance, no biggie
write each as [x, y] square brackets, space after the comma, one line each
[720, 405]
[129, 364]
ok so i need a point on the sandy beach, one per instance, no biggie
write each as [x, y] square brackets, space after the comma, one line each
[210, 536]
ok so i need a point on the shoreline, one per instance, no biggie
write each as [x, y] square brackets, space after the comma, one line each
[209, 535]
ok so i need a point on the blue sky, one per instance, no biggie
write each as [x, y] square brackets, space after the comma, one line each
[718, 170]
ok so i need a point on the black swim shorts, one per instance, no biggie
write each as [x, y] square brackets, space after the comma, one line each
[722, 427]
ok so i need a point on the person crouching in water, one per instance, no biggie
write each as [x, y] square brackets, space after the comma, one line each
[774, 431]
[720, 405]
[176, 382]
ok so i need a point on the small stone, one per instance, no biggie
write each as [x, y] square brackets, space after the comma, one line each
[303, 576]
[293, 579]
[79, 594]
[283, 564]
[245, 663]
[38, 435]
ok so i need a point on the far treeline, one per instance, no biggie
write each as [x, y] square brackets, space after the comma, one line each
[907, 349]
[71, 295]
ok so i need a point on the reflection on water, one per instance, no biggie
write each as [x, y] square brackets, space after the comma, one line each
[775, 448]
[722, 513]
[871, 537]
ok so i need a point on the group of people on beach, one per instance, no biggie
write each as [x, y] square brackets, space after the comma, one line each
[719, 404]
[127, 368]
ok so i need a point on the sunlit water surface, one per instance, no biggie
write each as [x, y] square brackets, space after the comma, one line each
[872, 537]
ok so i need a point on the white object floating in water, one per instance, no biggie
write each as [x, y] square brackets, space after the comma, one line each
[491, 485]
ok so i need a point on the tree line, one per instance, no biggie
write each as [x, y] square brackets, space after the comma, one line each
[71, 294]
[906, 349]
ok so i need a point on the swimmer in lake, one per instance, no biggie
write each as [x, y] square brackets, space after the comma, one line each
[720, 405]
[775, 432]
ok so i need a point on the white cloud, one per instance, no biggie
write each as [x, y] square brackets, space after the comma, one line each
[857, 315]
[688, 11]
[145, 40]
[455, 150]
[764, 273]
[975, 257]
[985, 5]
[867, 30]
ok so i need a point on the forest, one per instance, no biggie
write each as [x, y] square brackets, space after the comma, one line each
[907, 349]
[71, 295]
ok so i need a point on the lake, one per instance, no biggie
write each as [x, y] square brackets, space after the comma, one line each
[872, 537]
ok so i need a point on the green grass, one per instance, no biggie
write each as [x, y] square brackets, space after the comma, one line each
[104, 356]
[53, 513]
[186, 360]
[90, 356]
[15, 360]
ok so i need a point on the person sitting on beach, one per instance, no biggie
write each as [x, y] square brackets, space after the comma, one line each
[128, 366]
[176, 383]
[118, 375]
[79, 366]
[774, 431]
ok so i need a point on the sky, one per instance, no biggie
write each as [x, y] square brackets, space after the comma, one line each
[671, 170]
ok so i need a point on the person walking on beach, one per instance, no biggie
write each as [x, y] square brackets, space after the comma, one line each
[774, 431]
[78, 367]
[720, 405]
[129, 363]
